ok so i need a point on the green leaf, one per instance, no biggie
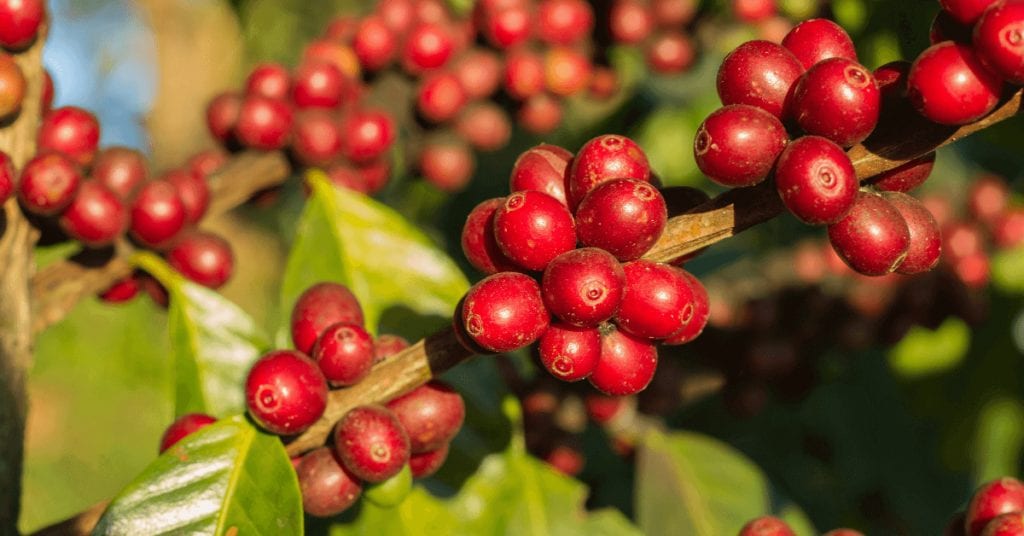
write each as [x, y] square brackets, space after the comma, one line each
[349, 238]
[998, 440]
[924, 351]
[1008, 270]
[213, 341]
[228, 478]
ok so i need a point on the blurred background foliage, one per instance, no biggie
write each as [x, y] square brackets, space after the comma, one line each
[892, 440]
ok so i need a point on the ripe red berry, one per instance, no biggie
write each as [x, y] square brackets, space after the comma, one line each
[202, 257]
[540, 114]
[269, 80]
[47, 97]
[338, 54]
[478, 243]
[626, 366]
[999, 40]
[447, 164]
[604, 83]
[758, 73]
[285, 392]
[701, 312]
[427, 47]
[1005, 525]
[485, 125]
[317, 138]
[837, 99]
[524, 74]
[504, 312]
[602, 409]
[566, 71]
[1008, 229]
[1002, 496]
[328, 489]
[399, 15]
[753, 10]
[72, 131]
[431, 414]
[907, 176]
[925, 235]
[193, 192]
[440, 97]
[222, 116]
[767, 526]
[425, 464]
[479, 72]
[630, 21]
[738, 144]
[987, 198]
[564, 22]
[568, 352]
[508, 25]
[317, 308]
[817, 40]
[622, 216]
[20, 21]
[816, 180]
[387, 345]
[948, 85]
[532, 228]
[264, 123]
[367, 135]
[658, 301]
[344, 353]
[121, 169]
[966, 11]
[48, 184]
[7, 177]
[157, 214]
[602, 159]
[206, 163]
[184, 426]
[371, 443]
[541, 168]
[891, 79]
[374, 43]
[96, 216]
[318, 84]
[12, 87]
[961, 239]
[670, 53]
[873, 238]
[583, 286]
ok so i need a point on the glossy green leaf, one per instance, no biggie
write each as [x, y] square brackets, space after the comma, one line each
[228, 478]
[213, 341]
[923, 351]
[349, 238]
[1008, 270]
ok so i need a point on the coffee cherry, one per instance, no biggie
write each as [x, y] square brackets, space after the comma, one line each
[72, 131]
[602, 409]
[541, 168]
[524, 74]
[974, 270]
[999, 40]
[624, 217]
[630, 21]
[344, 353]
[604, 83]
[269, 80]
[564, 22]
[701, 312]
[317, 308]
[157, 214]
[440, 98]
[602, 159]
[184, 426]
[203, 257]
[96, 216]
[566, 457]
[1005, 525]
[583, 286]
[738, 144]
[328, 489]
[837, 99]
[371, 443]
[431, 414]
[264, 123]
[658, 301]
[758, 73]
[387, 345]
[925, 236]
[948, 85]
[891, 80]
[347, 176]
[1002, 496]
[479, 72]
[447, 164]
[670, 53]
[966, 11]
[478, 243]
[285, 392]
[817, 40]
[987, 198]
[120, 169]
[816, 180]
[532, 228]
[843, 532]
[222, 116]
[374, 43]
[508, 25]
[318, 85]
[960, 239]
[766, 526]
[156, 292]
[504, 312]
[626, 366]
[428, 47]
[568, 352]
[873, 238]
[425, 464]
[540, 114]
[566, 71]
[12, 87]
[375, 174]
[193, 192]
[206, 163]
[19, 22]
[366, 135]
[48, 184]
[485, 126]
[317, 138]
[340, 55]
[753, 10]
[47, 96]
[1008, 229]
[907, 176]
[7, 177]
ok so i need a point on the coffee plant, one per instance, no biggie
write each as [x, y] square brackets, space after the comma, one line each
[699, 267]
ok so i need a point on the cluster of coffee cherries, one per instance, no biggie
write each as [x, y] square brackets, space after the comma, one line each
[658, 27]
[610, 307]
[773, 526]
[287, 391]
[995, 509]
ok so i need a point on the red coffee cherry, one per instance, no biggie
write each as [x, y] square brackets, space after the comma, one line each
[206, 163]
[532, 228]
[347, 176]
[478, 243]
[399, 15]
[541, 168]
[907, 176]
[948, 85]
[19, 22]
[1008, 229]
[604, 83]
[7, 177]
[344, 353]
[222, 116]
[371, 443]
[431, 414]
[602, 409]
[387, 345]
[524, 74]
[269, 80]
[670, 53]
[583, 286]
[479, 72]
[317, 138]
[318, 84]
[758, 73]
[447, 164]
[285, 392]
[873, 238]
[157, 214]
[925, 235]
[328, 489]
[737, 145]
[626, 366]
[566, 71]
[602, 159]
[1002, 496]
[374, 43]
[843, 532]
[999, 40]
[817, 40]
[630, 21]
[440, 98]
[264, 123]
[816, 180]
[47, 97]
[701, 312]
[837, 99]
[319, 307]
[96, 216]
[891, 79]
[961, 239]
[624, 217]
[367, 135]
[193, 192]
[122, 290]
[568, 352]
[72, 131]
[337, 54]
[966, 11]
[48, 184]
[375, 174]
[987, 198]
[753, 10]
[485, 126]
[425, 464]
[184, 426]
[203, 257]
[766, 526]
[973, 270]
[428, 47]
[1005, 525]
[658, 301]
[504, 312]
[12, 87]
[508, 25]
[564, 22]
[120, 169]
[540, 114]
